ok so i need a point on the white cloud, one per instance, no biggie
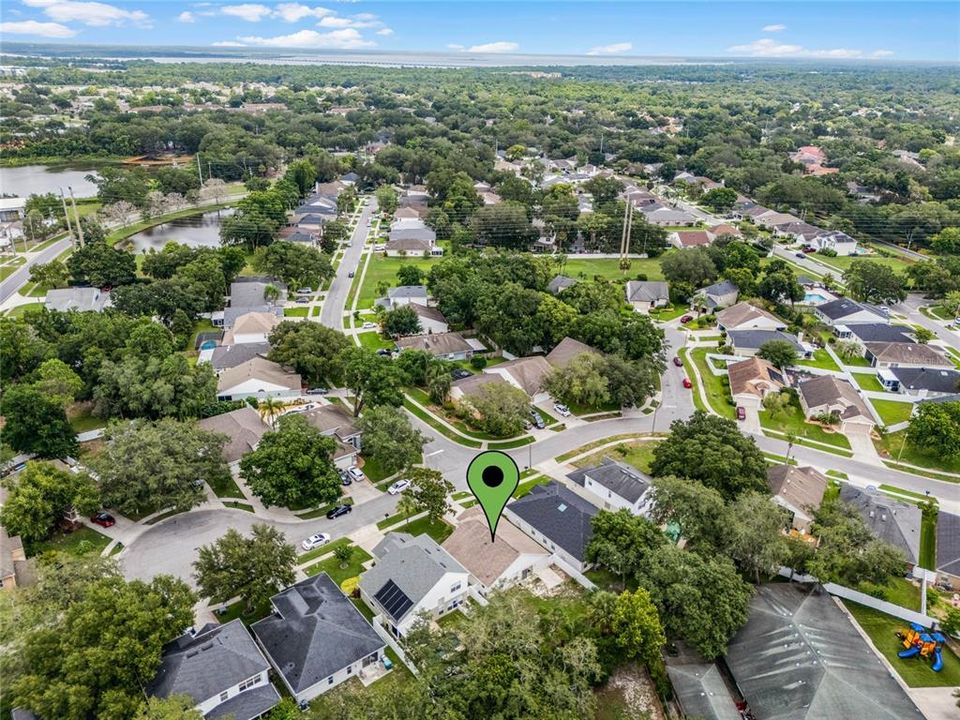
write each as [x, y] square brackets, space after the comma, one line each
[95, 14]
[778, 27]
[364, 20]
[501, 46]
[186, 17]
[32, 27]
[228, 43]
[611, 49]
[771, 48]
[251, 12]
[345, 39]
[454, 46]
[292, 12]
[386, 32]
[335, 22]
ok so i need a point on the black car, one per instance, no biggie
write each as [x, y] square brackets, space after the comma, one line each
[383, 352]
[338, 511]
[349, 274]
[345, 478]
[460, 373]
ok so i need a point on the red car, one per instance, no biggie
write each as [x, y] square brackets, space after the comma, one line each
[687, 384]
[741, 413]
[686, 318]
[103, 519]
[678, 362]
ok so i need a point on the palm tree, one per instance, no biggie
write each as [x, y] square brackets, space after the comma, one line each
[270, 407]
[952, 302]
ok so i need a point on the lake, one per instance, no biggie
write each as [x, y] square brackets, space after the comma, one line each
[201, 230]
[39, 179]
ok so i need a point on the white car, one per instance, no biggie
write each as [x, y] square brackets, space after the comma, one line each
[398, 487]
[315, 541]
[562, 410]
[356, 474]
[369, 325]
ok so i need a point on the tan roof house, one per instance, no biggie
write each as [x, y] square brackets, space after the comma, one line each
[566, 350]
[252, 327]
[259, 378]
[526, 373]
[15, 569]
[744, 316]
[905, 354]
[449, 345]
[799, 490]
[244, 427]
[827, 394]
[499, 564]
[752, 379]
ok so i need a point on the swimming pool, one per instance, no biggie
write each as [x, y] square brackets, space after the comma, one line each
[208, 345]
[812, 297]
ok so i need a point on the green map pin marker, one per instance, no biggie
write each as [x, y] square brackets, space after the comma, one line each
[493, 477]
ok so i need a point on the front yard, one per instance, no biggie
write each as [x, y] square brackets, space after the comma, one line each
[81, 542]
[638, 453]
[331, 566]
[791, 421]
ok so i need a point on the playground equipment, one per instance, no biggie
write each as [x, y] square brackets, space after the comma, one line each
[917, 642]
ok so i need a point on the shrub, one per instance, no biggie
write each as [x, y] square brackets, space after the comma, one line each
[478, 362]
[873, 590]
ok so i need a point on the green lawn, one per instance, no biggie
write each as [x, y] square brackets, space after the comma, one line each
[858, 361]
[385, 269]
[236, 505]
[296, 312]
[609, 268]
[321, 551]
[842, 263]
[371, 468]
[821, 359]
[892, 412]
[665, 314]
[331, 566]
[19, 310]
[868, 382]
[915, 672]
[439, 531]
[227, 488]
[323, 510]
[591, 445]
[528, 485]
[82, 418]
[421, 397]
[510, 444]
[639, 454]
[891, 446]
[83, 541]
[792, 421]
[374, 341]
[718, 393]
[928, 542]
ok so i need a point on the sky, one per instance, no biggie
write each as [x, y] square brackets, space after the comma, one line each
[815, 29]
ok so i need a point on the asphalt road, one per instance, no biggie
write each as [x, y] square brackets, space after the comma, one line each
[21, 276]
[335, 302]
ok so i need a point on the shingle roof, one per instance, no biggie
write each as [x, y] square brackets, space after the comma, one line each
[799, 657]
[881, 332]
[895, 522]
[702, 692]
[259, 369]
[436, 343]
[802, 487]
[754, 339]
[415, 564]
[249, 704]
[647, 291]
[829, 390]
[430, 313]
[233, 355]
[907, 352]
[407, 291]
[948, 543]
[251, 323]
[753, 375]
[315, 632]
[558, 514]
[619, 478]
[691, 238]
[249, 293]
[333, 418]
[560, 282]
[527, 372]
[470, 385]
[204, 665]
[934, 380]
[566, 350]
[82, 299]
[743, 313]
[845, 307]
[486, 560]
[242, 426]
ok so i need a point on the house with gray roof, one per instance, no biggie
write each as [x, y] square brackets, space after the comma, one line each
[844, 311]
[926, 382]
[249, 294]
[557, 518]
[221, 669]
[830, 395]
[560, 283]
[243, 427]
[225, 357]
[890, 520]
[746, 343]
[616, 485]
[645, 295]
[900, 354]
[448, 345]
[413, 578]
[316, 638]
[799, 490]
[81, 299]
[879, 332]
[800, 657]
[404, 295]
[719, 295]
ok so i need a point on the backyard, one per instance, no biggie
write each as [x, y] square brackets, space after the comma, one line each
[843, 263]
[892, 412]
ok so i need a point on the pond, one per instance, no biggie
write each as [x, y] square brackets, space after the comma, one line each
[201, 230]
[38, 179]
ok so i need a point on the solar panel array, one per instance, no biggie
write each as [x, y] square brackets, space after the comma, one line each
[393, 600]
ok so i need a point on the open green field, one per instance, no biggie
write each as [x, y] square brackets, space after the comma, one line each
[891, 446]
[638, 453]
[892, 411]
[385, 269]
[842, 263]
[609, 268]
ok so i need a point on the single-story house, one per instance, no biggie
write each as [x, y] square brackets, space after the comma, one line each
[494, 564]
[465, 387]
[560, 283]
[413, 577]
[718, 296]
[431, 319]
[251, 327]
[701, 691]
[221, 669]
[690, 238]
[404, 295]
[446, 345]
[15, 569]
[316, 638]
[259, 378]
[744, 316]
[526, 373]
[800, 656]
[222, 357]
[774, 219]
[904, 354]
[81, 299]
[894, 522]
[244, 427]
[250, 292]
[664, 216]
[412, 229]
[644, 295]
[406, 213]
[724, 229]
[330, 189]
[752, 379]
[845, 311]
[799, 490]
[411, 247]
[747, 342]
[616, 485]
[566, 350]
[841, 243]
[802, 232]
[925, 382]
[12, 208]
[557, 518]
[333, 420]
[875, 333]
[827, 394]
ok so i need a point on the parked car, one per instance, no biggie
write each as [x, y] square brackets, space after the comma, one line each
[537, 419]
[677, 361]
[315, 541]
[350, 274]
[369, 325]
[460, 373]
[317, 391]
[800, 255]
[741, 413]
[687, 384]
[356, 473]
[305, 291]
[103, 519]
[686, 318]
[383, 352]
[562, 410]
[345, 478]
[398, 487]
[338, 511]
[302, 299]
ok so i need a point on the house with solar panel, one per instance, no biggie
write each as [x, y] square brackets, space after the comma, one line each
[413, 578]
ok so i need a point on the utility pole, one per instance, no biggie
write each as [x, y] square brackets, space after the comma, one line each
[66, 216]
[910, 237]
[625, 238]
[76, 215]
[200, 168]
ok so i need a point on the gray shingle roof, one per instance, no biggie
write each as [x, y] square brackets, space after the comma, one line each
[249, 704]
[721, 288]
[249, 293]
[558, 514]
[647, 291]
[932, 379]
[880, 332]
[233, 355]
[560, 282]
[620, 478]
[315, 632]
[948, 543]
[894, 522]
[754, 339]
[800, 658]
[407, 291]
[82, 299]
[702, 692]
[844, 307]
[414, 564]
[204, 665]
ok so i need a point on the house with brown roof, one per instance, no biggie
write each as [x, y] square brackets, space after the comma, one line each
[259, 378]
[15, 569]
[252, 327]
[829, 395]
[905, 354]
[725, 229]
[334, 421]
[526, 373]
[566, 350]
[448, 345]
[744, 316]
[243, 427]
[465, 387]
[752, 380]
[690, 238]
[799, 490]
[494, 565]
[431, 319]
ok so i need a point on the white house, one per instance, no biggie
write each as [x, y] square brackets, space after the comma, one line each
[259, 378]
[744, 316]
[616, 486]
[251, 327]
[841, 243]
[413, 577]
